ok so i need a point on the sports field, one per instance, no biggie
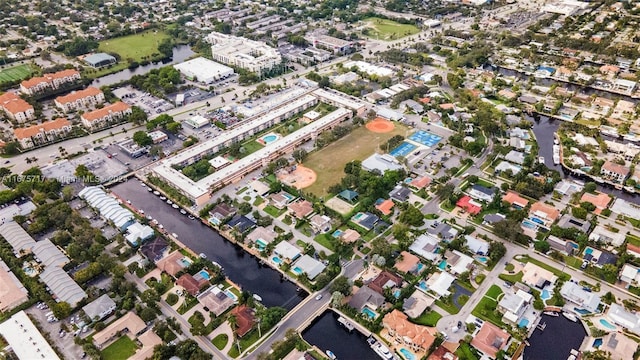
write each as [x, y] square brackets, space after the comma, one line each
[137, 47]
[328, 163]
[15, 73]
[384, 29]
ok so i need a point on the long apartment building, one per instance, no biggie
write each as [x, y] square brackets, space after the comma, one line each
[49, 82]
[102, 118]
[198, 191]
[255, 56]
[16, 108]
[42, 133]
[87, 98]
[337, 98]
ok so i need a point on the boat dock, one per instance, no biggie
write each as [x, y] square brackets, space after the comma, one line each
[346, 323]
[542, 326]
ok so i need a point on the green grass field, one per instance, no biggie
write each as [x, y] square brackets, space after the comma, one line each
[137, 47]
[15, 73]
[329, 162]
[121, 349]
[384, 29]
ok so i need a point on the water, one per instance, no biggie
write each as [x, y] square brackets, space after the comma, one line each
[545, 295]
[407, 354]
[242, 268]
[370, 313]
[180, 54]
[327, 334]
[607, 324]
[556, 341]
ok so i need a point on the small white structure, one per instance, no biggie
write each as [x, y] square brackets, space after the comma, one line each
[286, 251]
[203, 70]
[440, 283]
[25, 339]
[99, 308]
[137, 233]
[197, 121]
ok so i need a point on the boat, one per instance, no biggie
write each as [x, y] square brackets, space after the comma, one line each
[174, 235]
[218, 265]
[258, 298]
[129, 202]
[175, 206]
[183, 212]
[556, 141]
[141, 211]
[371, 340]
[203, 255]
[156, 193]
[191, 217]
[331, 355]
[163, 198]
[169, 202]
[383, 351]
[149, 217]
[551, 313]
[541, 159]
[161, 226]
[570, 316]
[149, 189]
[556, 154]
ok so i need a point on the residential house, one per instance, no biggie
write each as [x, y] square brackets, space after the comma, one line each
[350, 236]
[515, 157]
[469, 205]
[482, 193]
[490, 339]
[476, 245]
[281, 199]
[574, 293]
[515, 200]
[320, 224]
[138, 233]
[619, 346]
[614, 172]
[439, 283]
[385, 206]
[416, 337]
[192, 283]
[16, 108]
[569, 222]
[385, 280]
[154, 250]
[129, 324]
[400, 194]
[300, 209]
[629, 275]
[44, 133]
[421, 182]
[633, 250]
[364, 296]
[535, 276]
[416, 304]
[87, 98]
[491, 219]
[600, 200]
[99, 308]
[442, 353]
[457, 262]
[261, 237]
[241, 223]
[514, 305]
[12, 292]
[407, 263]
[245, 319]
[221, 212]
[216, 300]
[173, 263]
[507, 94]
[366, 220]
[443, 231]
[426, 245]
[286, 251]
[308, 266]
[624, 318]
[106, 116]
[49, 82]
[517, 143]
[543, 214]
[561, 246]
[603, 235]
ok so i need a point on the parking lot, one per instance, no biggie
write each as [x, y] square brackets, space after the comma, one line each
[193, 95]
[101, 163]
[204, 133]
[63, 341]
[147, 102]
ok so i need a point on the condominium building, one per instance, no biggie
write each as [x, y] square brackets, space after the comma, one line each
[251, 55]
[49, 82]
[101, 118]
[42, 133]
[16, 108]
[89, 97]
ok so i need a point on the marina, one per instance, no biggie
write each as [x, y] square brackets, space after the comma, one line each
[327, 333]
[555, 342]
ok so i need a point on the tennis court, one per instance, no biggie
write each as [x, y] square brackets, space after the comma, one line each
[402, 149]
[425, 138]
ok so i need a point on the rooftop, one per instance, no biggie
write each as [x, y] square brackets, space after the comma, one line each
[31, 131]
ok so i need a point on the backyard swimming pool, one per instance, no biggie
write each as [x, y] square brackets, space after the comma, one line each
[370, 313]
[261, 244]
[423, 285]
[597, 342]
[425, 138]
[204, 274]
[482, 259]
[185, 262]
[523, 323]
[402, 149]
[359, 216]
[588, 251]
[276, 260]
[528, 224]
[545, 295]
[269, 138]
[607, 324]
[337, 233]
[231, 295]
[442, 265]
[407, 354]
[296, 270]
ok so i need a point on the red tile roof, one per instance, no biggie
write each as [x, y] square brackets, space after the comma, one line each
[13, 103]
[385, 206]
[101, 113]
[513, 198]
[378, 284]
[23, 133]
[244, 319]
[73, 96]
[490, 339]
[421, 182]
[49, 78]
[465, 203]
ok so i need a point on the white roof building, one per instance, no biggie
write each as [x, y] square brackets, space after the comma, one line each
[248, 54]
[620, 316]
[440, 283]
[426, 245]
[17, 237]
[107, 206]
[25, 339]
[476, 245]
[459, 262]
[602, 234]
[577, 295]
[309, 266]
[137, 233]
[99, 308]
[369, 68]
[382, 163]
[630, 275]
[63, 287]
[203, 70]
[287, 251]
[9, 212]
[197, 121]
[49, 254]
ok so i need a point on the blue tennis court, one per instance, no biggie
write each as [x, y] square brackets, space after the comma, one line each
[402, 149]
[425, 138]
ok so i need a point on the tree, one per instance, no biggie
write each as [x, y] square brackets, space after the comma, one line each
[67, 193]
[342, 285]
[445, 191]
[590, 187]
[142, 138]
[300, 155]
[412, 216]
[61, 310]
[542, 246]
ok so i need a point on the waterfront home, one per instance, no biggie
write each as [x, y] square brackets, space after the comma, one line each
[426, 245]
[261, 237]
[583, 299]
[407, 263]
[385, 280]
[517, 143]
[469, 205]
[417, 337]
[624, 318]
[619, 346]
[490, 339]
[515, 157]
[245, 319]
[599, 200]
[300, 209]
[138, 233]
[629, 275]
[515, 200]
[476, 246]
[173, 263]
[320, 223]
[482, 193]
[601, 234]
[416, 304]
[364, 296]
[192, 283]
[568, 187]
[154, 250]
[308, 266]
[221, 212]
[543, 214]
[457, 262]
[439, 283]
[513, 306]
[286, 251]
[216, 300]
[535, 276]
[614, 172]
[442, 353]
[241, 223]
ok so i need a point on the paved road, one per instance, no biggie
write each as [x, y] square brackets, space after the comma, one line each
[305, 312]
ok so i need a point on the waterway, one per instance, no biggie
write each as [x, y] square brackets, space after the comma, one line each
[544, 129]
[327, 334]
[180, 53]
[239, 266]
[556, 341]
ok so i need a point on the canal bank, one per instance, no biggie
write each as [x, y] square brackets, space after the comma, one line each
[555, 342]
[242, 268]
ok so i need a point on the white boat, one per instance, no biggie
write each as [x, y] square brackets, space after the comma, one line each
[541, 159]
[183, 212]
[551, 313]
[174, 235]
[203, 255]
[570, 316]
[331, 355]
[163, 198]
[161, 226]
[218, 265]
[156, 193]
[129, 202]
[175, 206]
[191, 217]
[169, 202]
[149, 189]
[556, 154]
[383, 351]
[258, 298]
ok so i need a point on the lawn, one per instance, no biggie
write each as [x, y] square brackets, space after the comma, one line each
[633, 240]
[486, 308]
[121, 349]
[467, 352]
[385, 29]
[447, 306]
[138, 47]
[15, 73]
[325, 240]
[428, 318]
[274, 211]
[512, 278]
[220, 341]
[329, 162]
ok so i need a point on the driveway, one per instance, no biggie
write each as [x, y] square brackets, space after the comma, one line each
[457, 292]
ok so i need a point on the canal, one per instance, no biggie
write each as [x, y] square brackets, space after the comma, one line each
[556, 341]
[544, 129]
[180, 54]
[327, 334]
[242, 268]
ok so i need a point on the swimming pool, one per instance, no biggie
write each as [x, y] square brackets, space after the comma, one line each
[545, 295]
[296, 270]
[370, 313]
[231, 295]
[442, 265]
[523, 323]
[607, 324]
[536, 220]
[407, 354]
[185, 262]
[402, 149]
[261, 244]
[597, 342]
[276, 260]
[205, 275]
[288, 196]
[482, 259]
[419, 267]
[528, 224]
[359, 216]
[29, 271]
[269, 138]
[425, 138]
[336, 234]
[588, 251]
[396, 293]
[422, 285]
